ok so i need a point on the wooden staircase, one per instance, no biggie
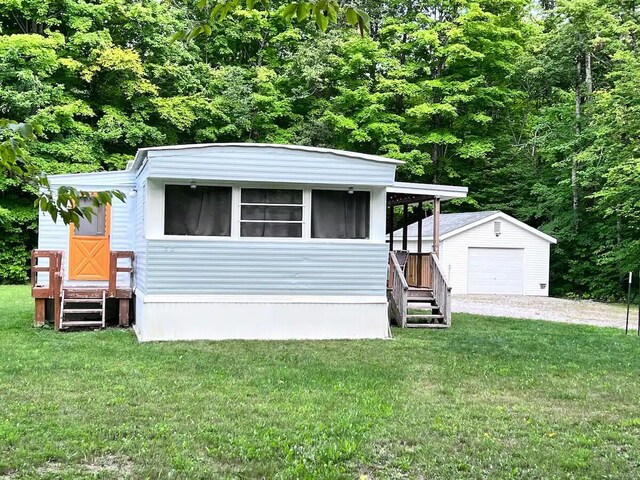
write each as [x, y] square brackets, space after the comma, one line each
[419, 295]
[422, 299]
[83, 308]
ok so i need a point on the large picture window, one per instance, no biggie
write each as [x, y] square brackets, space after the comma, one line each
[200, 211]
[340, 214]
[270, 213]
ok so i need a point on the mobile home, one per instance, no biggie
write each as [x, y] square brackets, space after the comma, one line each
[226, 241]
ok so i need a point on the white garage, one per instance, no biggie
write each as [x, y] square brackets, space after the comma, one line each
[487, 253]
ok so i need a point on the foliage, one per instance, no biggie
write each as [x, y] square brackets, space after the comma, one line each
[534, 107]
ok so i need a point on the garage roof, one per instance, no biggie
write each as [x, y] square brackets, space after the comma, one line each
[453, 223]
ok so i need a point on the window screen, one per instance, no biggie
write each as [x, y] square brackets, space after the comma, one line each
[339, 214]
[94, 227]
[200, 211]
[270, 213]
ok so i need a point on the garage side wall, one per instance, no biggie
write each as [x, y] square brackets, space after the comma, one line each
[536, 255]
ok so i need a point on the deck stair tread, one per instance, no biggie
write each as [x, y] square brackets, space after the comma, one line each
[82, 300]
[424, 315]
[87, 297]
[427, 325]
[83, 310]
[83, 323]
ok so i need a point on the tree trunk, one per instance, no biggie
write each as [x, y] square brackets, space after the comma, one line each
[588, 78]
[574, 162]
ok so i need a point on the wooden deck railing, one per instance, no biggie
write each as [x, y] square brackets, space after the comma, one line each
[398, 289]
[441, 288]
[51, 285]
[423, 271]
[52, 288]
[418, 270]
[114, 269]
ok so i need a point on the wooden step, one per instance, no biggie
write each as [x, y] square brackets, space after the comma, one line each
[427, 325]
[83, 310]
[420, 299]
[84, 294]
[424, 307]
[81, 323]
[425, 315]
[83, 300]
[419, 294]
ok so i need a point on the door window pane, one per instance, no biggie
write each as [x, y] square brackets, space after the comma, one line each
[96, 227]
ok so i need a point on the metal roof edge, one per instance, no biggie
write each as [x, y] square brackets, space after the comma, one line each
[498, 214]
[343, 153]
[504, 216]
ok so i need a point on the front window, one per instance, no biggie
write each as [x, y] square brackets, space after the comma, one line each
[197, 210]
[271, 213]
[340, 214]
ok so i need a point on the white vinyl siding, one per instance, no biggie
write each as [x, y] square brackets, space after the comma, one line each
[495, 270]
[268, 164]
[55, 235]
[454, 253]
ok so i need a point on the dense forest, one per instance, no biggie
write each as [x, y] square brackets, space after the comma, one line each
[534, 106]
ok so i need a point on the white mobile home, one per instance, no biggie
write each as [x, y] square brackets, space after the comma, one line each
[487, 252]
[235, 241]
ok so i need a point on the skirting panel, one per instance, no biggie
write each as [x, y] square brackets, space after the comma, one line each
[160, 321]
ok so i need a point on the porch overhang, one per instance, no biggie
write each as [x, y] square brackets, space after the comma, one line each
[403, 193]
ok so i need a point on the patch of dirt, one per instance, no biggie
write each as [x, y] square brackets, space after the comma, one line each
[109, 465]
[585, 312]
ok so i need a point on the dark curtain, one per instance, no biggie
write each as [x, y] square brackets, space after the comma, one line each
[271, 212]
[201, 211]
[339, 214]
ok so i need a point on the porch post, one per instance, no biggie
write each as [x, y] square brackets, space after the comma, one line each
[436, 226]
[390, 226]
[420, 283]
[420, 227]
[405, 219]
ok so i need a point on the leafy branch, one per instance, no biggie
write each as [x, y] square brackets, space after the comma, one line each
[323, 13]
[64, 203]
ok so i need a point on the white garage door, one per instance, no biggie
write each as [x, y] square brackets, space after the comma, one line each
[496, 270]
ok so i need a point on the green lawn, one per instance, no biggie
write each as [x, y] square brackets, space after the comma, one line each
[488, 398]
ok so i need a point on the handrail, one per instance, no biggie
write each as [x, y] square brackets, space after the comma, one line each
[52, 289]
[114, 269]
[397, 268]
[54, 266]
[440, 269]
[441, 289]
[398, 295]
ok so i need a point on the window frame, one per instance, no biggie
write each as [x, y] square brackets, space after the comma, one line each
[186, 236]
[303, 206]
[331, 239]
[236, 189]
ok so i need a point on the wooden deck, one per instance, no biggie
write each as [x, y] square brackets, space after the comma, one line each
[417, 282]
[47, 284]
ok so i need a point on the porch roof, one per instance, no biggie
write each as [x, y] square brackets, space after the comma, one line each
[402, 193]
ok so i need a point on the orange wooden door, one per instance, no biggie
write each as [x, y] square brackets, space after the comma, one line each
[89, 245]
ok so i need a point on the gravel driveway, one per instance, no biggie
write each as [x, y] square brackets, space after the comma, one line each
[546, 308]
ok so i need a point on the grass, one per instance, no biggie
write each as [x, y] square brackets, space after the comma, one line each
[489, 398]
